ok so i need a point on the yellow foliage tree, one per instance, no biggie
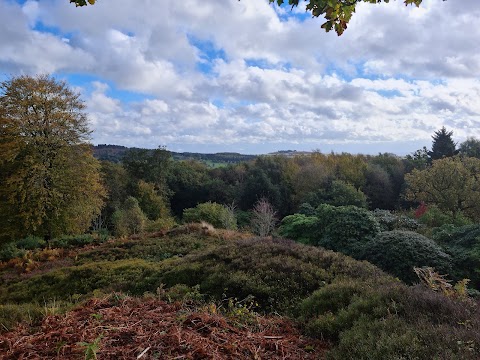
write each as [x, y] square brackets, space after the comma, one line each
[453, 184]
[49, 180]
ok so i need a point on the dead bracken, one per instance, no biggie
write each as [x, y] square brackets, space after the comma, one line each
[120, 327]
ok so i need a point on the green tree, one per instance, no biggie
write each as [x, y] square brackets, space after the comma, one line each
[187, 182]
[453, 184]
[443, 145]
[148, 165]
[152, 201]
[50, 183]
[337, 193]
[116, 180]
[337, 12]
[129, 219]
[417, 160]
[218, 215]
[470, 148]
[379, 188]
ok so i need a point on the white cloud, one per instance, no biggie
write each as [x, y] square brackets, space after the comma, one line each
[398, 73]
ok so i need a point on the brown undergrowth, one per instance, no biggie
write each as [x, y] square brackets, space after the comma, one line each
[119, 327]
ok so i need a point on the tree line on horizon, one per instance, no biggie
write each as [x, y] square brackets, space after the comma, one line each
[52, 184]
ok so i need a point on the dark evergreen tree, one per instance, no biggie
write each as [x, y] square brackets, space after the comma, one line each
[443, 145]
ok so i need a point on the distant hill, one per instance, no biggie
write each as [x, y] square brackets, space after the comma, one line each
[289, 153]
[115, 153]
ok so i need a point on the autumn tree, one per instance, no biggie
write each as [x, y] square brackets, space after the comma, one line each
[337, 13]
[453, 184]
[49, 180]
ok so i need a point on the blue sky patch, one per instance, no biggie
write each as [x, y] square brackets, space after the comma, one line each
[86, 81]
[208, 53]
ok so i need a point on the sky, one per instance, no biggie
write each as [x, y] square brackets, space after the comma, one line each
[246, 76]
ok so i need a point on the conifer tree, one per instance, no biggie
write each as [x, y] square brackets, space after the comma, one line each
[443, 145]
[49, 180]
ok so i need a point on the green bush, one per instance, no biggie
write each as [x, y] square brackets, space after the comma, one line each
[301, 228]
[397, 252]
[218, 215]
[463, 244]
[161, 224]
[18, 249]
[72, 241]
[383, 319]
[31, 243]
[10, 251]
[340, 228]
[12, 314]
[390, 221]
[346, 228]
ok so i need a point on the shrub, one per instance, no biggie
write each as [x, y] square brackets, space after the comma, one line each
[134, 276]
[71, 241]
[382, 319]
[218, 215]
[301, 228]
[151, 249]
[161, 224]
[340, 228]
[31, 243]
[463, 244]
[10, 251]
[390, 221]
[397, 252]
[278, 273]
[346, 228]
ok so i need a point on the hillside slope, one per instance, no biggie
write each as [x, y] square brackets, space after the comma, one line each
[360, 311]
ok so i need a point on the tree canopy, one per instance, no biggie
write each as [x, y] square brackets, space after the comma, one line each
[49, 181]
[337, 13]
[451, 183]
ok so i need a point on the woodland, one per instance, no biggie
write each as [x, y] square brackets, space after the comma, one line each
[145, 253]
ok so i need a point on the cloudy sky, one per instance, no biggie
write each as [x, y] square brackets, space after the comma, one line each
[249, 77]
